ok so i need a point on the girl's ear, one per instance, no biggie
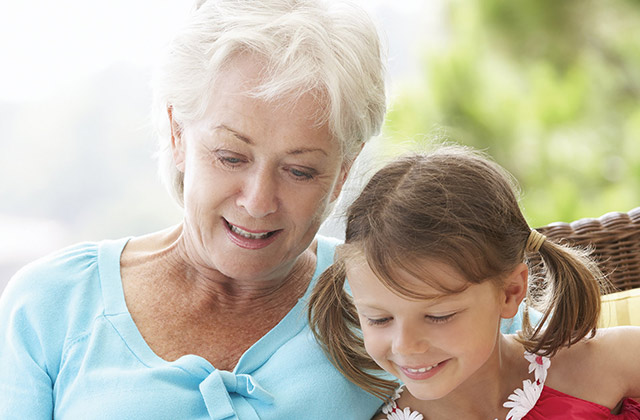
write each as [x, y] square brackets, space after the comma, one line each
[514, 291]
[177, 144]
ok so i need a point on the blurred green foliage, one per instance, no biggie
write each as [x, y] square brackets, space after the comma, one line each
[550, 89]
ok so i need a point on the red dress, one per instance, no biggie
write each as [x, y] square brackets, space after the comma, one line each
[535, 401]
[556, 405]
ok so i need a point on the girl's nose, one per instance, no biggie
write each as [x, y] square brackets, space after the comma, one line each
[259, 194]
[409, 340]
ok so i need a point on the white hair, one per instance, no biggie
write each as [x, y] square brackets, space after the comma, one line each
[330, 49]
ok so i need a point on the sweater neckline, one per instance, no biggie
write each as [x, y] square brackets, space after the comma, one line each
[116, 311]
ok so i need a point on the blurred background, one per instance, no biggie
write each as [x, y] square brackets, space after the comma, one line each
[550, 89]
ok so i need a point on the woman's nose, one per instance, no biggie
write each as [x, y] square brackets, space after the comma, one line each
[409, 340]
[259, 194]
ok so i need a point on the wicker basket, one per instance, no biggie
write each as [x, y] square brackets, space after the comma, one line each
[614, 238]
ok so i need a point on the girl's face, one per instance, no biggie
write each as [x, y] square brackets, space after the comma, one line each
[433, 346]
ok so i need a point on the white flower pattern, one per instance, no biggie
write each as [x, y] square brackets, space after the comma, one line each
[405, 414]
[394, 412]
[539, 365]
[520, 402]
[523, 400]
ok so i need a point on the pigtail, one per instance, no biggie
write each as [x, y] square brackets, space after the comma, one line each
[334, 322]
[571, 290]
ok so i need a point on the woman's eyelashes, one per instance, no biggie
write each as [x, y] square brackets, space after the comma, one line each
[299, 174]
[234, 160]
[229, 159]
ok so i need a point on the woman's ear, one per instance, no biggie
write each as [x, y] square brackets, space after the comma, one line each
[177, 144]
[344, 174]
[514, 290]
[342, 178]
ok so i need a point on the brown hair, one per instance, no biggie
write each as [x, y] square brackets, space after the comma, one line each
[456, 206]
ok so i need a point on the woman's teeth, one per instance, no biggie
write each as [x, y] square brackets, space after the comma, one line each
[246, 234]
[422, 370]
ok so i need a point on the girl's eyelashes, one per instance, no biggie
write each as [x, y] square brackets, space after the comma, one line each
[378, 321]
[431, 318]
[439, 319]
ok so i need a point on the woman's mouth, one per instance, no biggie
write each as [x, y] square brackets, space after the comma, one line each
[249, 235]
[249, 239]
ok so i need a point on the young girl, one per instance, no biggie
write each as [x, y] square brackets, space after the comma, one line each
[435, 256]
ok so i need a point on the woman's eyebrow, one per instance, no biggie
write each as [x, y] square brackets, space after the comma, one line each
[247, 140]
[239, 136]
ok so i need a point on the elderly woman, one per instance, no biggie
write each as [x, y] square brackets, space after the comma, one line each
[264, 105]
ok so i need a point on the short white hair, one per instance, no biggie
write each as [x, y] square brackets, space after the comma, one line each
[330, 49]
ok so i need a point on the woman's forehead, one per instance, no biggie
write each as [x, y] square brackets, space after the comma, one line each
[233, 110]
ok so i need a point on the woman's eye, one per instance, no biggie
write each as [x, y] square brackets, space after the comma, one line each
[378, 321]
[439, 319]
[230, 160]
[301, 174]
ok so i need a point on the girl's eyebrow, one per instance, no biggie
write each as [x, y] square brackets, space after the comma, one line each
[367, 305]
[429, 301]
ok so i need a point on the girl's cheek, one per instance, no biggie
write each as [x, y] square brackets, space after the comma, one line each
[375, 343]
[369, 340]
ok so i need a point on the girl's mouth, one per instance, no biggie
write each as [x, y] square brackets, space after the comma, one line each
[422, 370]
[425, 372]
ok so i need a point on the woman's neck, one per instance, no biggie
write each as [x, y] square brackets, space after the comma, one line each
[168, 256]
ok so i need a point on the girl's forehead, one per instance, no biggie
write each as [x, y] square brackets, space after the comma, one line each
[421, 279]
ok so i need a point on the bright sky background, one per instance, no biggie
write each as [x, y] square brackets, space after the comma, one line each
[46, 46]
[52, 52]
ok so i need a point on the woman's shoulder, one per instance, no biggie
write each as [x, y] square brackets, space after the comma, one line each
[54, 269]
[51, 284]
[51, 302]
[328, 242]
[325, 251]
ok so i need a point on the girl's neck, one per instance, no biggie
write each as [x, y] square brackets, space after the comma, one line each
[482, 395]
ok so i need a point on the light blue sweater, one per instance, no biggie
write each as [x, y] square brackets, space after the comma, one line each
[69, 349]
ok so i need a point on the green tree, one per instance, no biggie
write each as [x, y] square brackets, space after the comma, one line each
[550, 89]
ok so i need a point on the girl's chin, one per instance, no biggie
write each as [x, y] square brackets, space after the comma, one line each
[431, 393]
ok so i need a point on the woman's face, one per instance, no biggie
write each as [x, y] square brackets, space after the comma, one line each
[258, 177]
[433, 346]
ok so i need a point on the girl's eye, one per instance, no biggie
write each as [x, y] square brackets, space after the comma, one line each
[378, 321]
[302, 175]
[439, 319]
